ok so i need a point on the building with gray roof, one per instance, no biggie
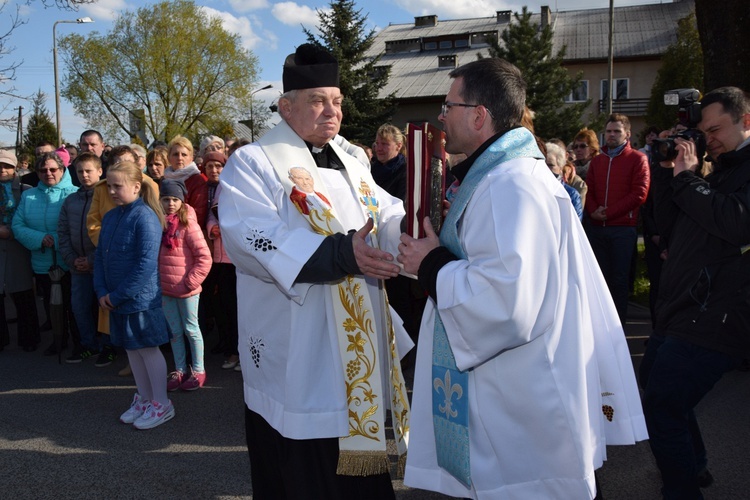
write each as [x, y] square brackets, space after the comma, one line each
[422, 54]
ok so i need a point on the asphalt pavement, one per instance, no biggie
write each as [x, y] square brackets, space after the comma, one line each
[60, 437]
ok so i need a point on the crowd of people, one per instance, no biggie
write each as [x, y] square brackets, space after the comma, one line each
[522, 374]
[689, 194]
[123, 234]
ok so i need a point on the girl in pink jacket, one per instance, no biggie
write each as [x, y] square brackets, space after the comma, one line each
[184, 262]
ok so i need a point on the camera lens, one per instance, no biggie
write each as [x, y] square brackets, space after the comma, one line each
[664, 149]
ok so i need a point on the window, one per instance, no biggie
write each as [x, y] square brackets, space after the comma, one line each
[446, 44]
[580, 93]
[461, 43]
[402, 46]
[430, 45]
[621, 89]
[483, 38]
[447, 61]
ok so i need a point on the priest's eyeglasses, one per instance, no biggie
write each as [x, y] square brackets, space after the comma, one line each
[447, 105]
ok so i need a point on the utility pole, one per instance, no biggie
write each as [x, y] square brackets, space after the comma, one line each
[19, 131]
[80, 20]
[610, 82]
[252, 118]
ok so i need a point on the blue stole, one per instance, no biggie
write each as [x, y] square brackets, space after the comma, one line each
[450, 394]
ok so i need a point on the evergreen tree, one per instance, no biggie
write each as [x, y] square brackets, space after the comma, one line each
[40, 127]
[548, 82]
[344, 35]
[682, 67]
[723, 34]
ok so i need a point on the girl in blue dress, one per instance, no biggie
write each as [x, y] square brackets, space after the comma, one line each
[126, 280]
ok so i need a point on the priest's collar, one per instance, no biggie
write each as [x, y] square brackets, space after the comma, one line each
[462, 168]
[316, 150]
[324, 157]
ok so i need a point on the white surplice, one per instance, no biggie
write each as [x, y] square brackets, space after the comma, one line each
[529, 314]
[288, 342]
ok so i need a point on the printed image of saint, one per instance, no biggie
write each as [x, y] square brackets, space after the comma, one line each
[303, 194]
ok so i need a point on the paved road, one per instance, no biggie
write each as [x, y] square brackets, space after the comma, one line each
[60, 437]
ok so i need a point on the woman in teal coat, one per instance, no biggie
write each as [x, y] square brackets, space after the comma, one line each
[35, 227]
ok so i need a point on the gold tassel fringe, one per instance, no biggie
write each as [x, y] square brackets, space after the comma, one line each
[362, 463]
[401, 466]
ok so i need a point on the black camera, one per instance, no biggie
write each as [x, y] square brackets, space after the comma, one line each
[689, 113]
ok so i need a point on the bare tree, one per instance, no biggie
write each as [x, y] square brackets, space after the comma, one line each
[63, 4]
[8, 71]
[8, 24]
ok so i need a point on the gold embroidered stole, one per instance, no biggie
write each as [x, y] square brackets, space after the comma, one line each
[363, 451]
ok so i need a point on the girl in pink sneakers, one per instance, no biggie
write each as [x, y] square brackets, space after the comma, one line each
[126, 281]
[184, 262]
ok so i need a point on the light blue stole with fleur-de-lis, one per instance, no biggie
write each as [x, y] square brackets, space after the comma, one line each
[450, 394]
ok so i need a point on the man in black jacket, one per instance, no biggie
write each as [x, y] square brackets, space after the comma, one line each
[703, 310]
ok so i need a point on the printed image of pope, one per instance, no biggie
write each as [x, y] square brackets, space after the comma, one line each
[303, 193]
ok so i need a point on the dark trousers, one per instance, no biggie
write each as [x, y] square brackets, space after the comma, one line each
[27, 319]
[654, 264]
[227, 305]
[675, 375]
[44, 283]
[613, 247]
[219, 301]
[291, 469]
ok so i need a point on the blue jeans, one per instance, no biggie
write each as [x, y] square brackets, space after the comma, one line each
[613, 247]
[182, 316]
[675, 375]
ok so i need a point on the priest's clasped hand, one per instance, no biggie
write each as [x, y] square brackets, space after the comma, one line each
[412, 252]
[372, 262]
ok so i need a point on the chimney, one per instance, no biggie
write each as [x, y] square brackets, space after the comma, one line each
[448, 61]
[546, 16]
[423, 21]
[503, 16]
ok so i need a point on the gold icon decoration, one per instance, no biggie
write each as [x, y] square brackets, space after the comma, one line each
[361, 365]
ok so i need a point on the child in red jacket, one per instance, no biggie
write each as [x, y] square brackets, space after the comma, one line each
[184, 262]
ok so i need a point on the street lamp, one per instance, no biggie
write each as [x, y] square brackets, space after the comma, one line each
[80, 20]
[252, 121]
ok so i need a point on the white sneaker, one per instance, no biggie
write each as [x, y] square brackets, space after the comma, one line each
[137, 407]
[155, 414]
[238, 368]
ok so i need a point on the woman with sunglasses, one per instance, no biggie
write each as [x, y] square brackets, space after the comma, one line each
[35, 227]
[585, 147]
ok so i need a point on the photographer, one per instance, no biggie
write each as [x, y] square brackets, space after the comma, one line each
[703, 310]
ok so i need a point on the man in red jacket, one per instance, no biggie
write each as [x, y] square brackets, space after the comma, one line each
[618, 183]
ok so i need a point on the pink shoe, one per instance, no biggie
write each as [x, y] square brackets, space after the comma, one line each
[195, 381]
[137, 407]
[155, 414]
[174, 381]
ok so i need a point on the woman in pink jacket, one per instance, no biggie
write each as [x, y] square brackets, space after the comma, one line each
[184, 262]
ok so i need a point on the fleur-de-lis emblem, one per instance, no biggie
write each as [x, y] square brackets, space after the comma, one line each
[449, 390]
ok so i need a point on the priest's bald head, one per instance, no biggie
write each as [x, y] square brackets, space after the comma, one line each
[311, 103]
